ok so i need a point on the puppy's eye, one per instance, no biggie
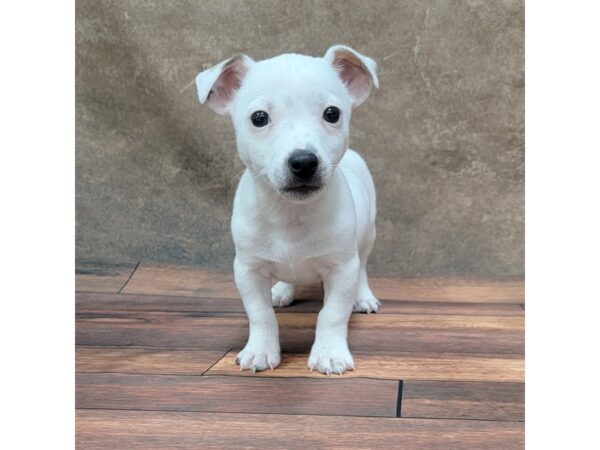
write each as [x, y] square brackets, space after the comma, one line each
[259, 118]
[331, 114]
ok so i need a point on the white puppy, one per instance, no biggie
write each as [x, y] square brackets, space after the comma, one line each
[304, 210]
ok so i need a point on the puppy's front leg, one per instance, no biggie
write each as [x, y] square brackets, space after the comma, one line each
[330, 353]
[262, 350]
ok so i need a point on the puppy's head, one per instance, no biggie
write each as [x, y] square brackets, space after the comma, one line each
[291, 113]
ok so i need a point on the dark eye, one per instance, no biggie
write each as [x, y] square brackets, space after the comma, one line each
[331, 114]
[259, 118]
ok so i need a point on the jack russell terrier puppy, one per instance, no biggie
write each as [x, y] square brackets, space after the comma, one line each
[304, 210]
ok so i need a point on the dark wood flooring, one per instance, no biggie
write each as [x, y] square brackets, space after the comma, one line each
[441, 366]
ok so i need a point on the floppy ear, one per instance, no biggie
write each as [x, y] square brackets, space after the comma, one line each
[358, 72]
[218, 84]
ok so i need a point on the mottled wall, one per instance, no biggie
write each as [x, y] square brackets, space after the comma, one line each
[444, 136]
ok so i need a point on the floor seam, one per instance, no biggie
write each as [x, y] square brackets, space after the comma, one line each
[399, 400]
[179, 411]
[217, 361]
[130, 276]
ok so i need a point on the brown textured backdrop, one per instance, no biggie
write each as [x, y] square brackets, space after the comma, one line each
[444, 137]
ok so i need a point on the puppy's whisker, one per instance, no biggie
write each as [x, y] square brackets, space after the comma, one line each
[237, 176]
[183, 89]
[260, 174]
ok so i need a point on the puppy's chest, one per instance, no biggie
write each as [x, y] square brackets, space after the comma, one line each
[295, 253]
[294, 245]
[298, 261]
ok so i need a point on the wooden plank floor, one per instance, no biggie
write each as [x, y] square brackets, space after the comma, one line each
[441, 366]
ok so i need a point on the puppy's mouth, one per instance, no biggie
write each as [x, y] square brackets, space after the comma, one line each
[300, 191]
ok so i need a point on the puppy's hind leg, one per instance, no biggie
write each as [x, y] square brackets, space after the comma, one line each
[365, 300]
[282, 294]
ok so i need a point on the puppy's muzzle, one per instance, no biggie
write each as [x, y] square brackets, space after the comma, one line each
[303, 166]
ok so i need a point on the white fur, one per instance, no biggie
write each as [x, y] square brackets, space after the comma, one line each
[296, 239]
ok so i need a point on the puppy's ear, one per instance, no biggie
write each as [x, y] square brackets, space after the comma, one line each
[219, 84]
[359, 72]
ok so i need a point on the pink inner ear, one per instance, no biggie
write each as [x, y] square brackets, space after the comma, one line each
[228, 82]
[355, 76]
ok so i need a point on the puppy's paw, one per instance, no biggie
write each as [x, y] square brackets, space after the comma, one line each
[256, 359]
[330, 359]
[367, 305]
[282, 294]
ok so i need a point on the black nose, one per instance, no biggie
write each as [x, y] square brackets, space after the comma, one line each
[303, 163]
